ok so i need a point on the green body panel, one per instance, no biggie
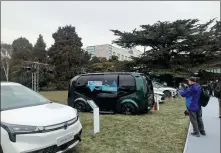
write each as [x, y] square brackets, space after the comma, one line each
[139, 98]
[130, 101]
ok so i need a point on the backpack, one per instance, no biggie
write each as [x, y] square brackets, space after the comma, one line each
[204, 98]
[217, 91]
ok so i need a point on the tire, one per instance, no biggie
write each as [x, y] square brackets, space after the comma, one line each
[167, 93]
[128, 109]
[80, 106]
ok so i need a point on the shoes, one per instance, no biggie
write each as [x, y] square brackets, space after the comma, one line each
[203, 133]
[195, 134]
[186, 113]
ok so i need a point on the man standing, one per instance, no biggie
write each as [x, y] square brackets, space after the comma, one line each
[195, 111]
[188, 98]
[217, 94]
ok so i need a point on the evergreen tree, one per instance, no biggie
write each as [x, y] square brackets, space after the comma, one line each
[67, 55]
[182, 45]
[39, 50]
[21, 51]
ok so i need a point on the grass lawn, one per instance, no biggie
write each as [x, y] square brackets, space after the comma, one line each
[162, 131]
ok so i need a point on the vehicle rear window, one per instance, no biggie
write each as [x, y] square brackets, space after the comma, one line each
[126, 82]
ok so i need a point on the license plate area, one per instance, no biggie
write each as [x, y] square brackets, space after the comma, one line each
[64, 139]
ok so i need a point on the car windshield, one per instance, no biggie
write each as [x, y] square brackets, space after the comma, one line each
[17, 96]
[158, 85]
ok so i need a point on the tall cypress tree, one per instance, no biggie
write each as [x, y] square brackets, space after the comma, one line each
[67, 55]
[39, 50]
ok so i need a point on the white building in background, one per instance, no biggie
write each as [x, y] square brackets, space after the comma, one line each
[108, 50]
[214, 70]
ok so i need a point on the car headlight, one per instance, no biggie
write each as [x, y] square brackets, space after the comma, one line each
[77, 114]
[13, 130]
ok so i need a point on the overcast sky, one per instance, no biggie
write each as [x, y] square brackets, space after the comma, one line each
[93, 20]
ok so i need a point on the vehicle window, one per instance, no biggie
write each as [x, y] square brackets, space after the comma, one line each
[15, 96]
[126, 82]
[158, 85]
[108, 80]
[155, 85]
[82, 81]
[96, 78]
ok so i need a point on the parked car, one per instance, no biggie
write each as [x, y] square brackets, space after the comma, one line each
[159, 96]
[31, 123]
[121, 92]
[168, 91]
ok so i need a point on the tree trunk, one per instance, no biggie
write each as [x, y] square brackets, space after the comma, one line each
[5, 68]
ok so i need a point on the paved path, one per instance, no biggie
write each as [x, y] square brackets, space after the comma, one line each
[211, 142]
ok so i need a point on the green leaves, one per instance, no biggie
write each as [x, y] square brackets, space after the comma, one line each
[39, 50]
[67, 55]
[182, 43]
[22, 49]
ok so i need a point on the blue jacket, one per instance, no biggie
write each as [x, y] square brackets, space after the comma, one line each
[192, 95]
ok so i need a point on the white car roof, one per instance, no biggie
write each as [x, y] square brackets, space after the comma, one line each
[9, 83]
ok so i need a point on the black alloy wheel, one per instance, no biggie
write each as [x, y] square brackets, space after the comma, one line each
[128, 109]
[80, 106]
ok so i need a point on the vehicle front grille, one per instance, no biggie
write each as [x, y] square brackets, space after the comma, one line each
[60, 125]
[55, 148]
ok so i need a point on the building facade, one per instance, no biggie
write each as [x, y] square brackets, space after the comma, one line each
[214, 70]
[108, 51]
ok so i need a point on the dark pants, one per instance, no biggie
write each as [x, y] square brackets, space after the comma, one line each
[211, 92]
[197, 121]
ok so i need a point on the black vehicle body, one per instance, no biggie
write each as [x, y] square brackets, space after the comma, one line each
[121, 92]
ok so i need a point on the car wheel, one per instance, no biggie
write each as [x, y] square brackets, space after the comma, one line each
[128, 109]
[167, 94]
[80, 106]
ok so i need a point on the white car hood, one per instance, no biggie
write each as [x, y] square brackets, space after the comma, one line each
[166, 88]
[169, 88]
[41, 115]
[158, 92]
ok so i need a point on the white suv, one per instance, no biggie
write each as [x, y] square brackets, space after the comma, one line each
[32, 124]
[168, 91]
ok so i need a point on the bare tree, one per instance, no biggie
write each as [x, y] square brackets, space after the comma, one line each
[5, 61]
